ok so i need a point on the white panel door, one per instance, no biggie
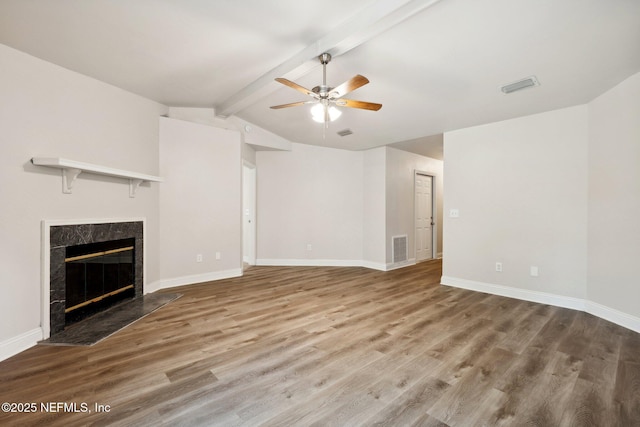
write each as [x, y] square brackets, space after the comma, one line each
[424, 217]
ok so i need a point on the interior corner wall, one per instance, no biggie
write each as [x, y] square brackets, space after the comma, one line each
[374, 208]
[614, 198]
[49, 111]
[400, 196]
[309, 206]
[520, 187]
[200, 203]
[325, 206]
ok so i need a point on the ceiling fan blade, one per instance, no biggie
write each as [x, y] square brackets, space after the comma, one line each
[293, 104]
[297, 87]
[358, 104]
[348, 86]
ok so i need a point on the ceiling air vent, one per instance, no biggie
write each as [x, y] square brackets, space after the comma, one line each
[520, 84]
[345, 132]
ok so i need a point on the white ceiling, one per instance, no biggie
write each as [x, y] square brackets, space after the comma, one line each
[434, 65]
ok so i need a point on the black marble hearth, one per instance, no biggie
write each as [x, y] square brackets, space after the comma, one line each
[70, 235]
[104, 324]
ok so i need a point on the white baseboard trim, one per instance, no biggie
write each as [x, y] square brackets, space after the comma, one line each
[309, 262]
[612, 315]
[192, 279]
[15, 345]
[374, 265]
[332, 263]
[396, 265]
[523, 294]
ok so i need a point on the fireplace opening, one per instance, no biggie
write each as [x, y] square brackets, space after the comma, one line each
[98, 275]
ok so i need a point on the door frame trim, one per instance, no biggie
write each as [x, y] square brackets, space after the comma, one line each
[253, 256]
[434, 213]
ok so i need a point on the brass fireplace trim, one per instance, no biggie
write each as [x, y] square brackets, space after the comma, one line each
[97, 254]
[96, 299]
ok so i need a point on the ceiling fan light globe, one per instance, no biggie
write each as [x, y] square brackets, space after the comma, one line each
[317, 113]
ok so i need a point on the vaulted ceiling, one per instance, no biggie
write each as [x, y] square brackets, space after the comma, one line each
[435, 65]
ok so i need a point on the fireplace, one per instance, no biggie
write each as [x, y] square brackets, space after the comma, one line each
[97, 275]
[91, 267]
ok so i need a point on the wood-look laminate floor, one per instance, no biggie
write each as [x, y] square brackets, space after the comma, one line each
[289, 346]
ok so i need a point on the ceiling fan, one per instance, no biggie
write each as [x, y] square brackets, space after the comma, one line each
[326, 98]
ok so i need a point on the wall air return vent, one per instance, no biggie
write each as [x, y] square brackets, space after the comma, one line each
[345, 132]
[525, 83]
[399, 248]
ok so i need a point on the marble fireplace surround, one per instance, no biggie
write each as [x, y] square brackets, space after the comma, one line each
[56, 235]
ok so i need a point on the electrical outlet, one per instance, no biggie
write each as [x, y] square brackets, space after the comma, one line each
[218, 255]
[309, 247]
[454, 213]
[199, 258]
[534, 271]
[499, 267]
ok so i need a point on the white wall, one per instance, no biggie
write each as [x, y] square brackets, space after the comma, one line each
[309, 196]
[521, 189]
[614, 198]
[559, 190]
[200, 202]
[345, 204]
[46, 110]
[401, 167]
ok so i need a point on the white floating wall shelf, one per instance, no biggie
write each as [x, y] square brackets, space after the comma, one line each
[71, 169]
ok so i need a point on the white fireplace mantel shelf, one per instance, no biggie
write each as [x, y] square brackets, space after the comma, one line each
[71, 169]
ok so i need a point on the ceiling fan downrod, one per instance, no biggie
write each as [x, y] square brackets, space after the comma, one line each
[323, 90]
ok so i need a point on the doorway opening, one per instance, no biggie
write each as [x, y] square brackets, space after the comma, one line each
[248, 213]
[425, 217]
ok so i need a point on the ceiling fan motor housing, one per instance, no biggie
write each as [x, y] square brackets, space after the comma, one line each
[322, 90]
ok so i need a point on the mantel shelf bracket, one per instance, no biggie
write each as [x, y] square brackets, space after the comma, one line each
[133, 186]
[69, 176]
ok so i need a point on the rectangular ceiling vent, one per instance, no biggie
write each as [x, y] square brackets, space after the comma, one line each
[345, 132]
[399, 248]
[525, 83]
